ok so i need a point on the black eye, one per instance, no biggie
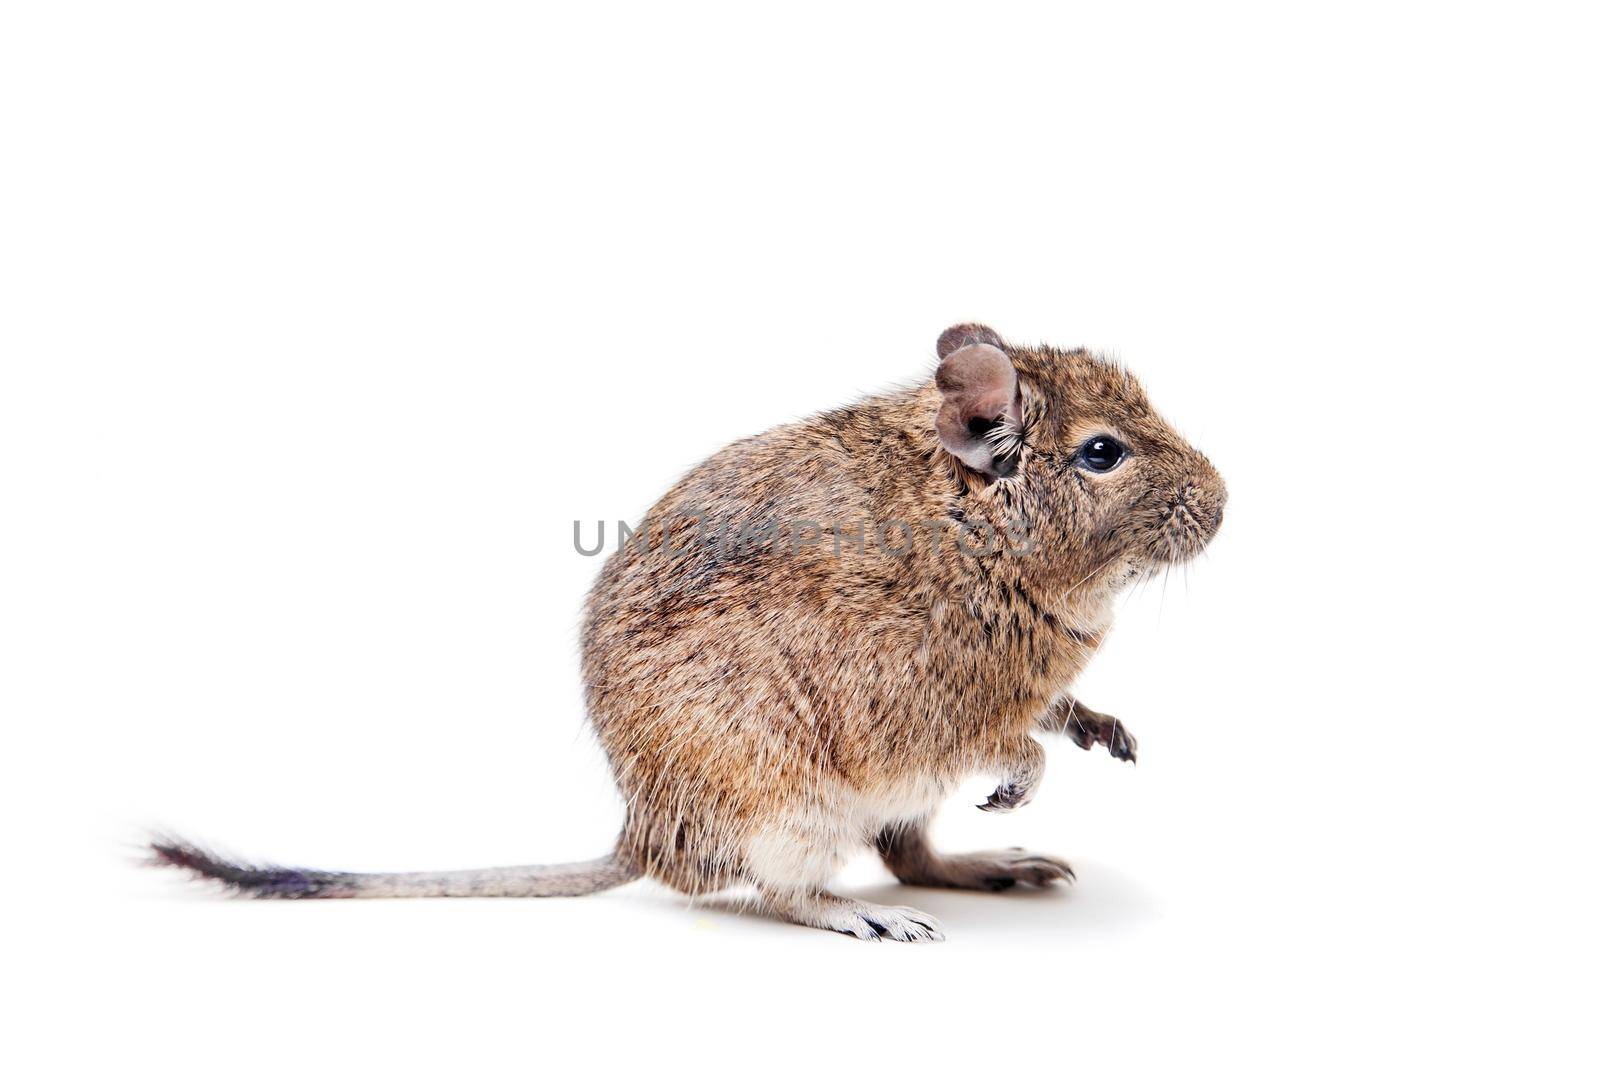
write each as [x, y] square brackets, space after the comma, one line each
[1101, 454]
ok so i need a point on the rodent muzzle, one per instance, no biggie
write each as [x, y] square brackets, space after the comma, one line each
[1192, 517]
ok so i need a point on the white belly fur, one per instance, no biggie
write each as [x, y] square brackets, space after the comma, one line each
[806, 845]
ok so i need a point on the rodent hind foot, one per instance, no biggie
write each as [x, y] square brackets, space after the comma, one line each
[869, 921]
[988, 871]
[854, 917]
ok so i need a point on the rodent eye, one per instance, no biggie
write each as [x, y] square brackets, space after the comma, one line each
[1101, 454]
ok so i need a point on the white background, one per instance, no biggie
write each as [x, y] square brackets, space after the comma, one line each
[322, 322]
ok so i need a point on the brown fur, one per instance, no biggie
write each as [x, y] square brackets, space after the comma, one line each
[747, 695]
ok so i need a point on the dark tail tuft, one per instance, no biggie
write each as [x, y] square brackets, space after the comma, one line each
[260, 882]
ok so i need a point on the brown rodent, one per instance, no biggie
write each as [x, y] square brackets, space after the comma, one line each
[821, 630]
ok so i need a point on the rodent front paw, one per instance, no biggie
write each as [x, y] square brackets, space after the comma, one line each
[1008, 797]
[1088, 729]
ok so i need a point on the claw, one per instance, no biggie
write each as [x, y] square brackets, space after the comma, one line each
[1005, 798]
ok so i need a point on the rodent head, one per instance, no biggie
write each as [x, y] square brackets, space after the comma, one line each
[1068, 442]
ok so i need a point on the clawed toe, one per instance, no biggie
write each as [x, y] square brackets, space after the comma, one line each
[1040, 870]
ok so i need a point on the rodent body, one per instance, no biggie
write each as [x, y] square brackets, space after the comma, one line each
[772, 706]
[814, 695]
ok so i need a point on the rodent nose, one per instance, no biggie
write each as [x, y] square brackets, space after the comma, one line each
[1205, 497]
[1216, 497]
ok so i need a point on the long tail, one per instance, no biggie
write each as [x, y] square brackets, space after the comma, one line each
[282, 882]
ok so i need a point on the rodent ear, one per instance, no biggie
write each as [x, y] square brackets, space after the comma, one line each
[964, 334]
[980, 422]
